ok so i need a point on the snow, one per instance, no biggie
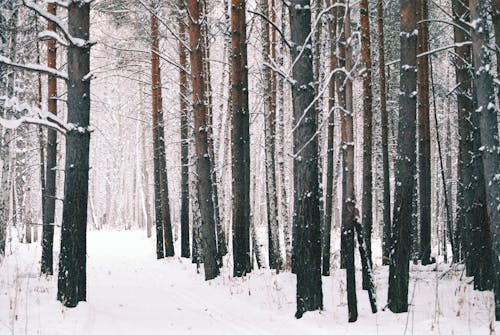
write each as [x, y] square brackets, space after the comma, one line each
[130, 292]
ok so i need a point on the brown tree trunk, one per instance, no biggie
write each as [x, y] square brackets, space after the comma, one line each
[349, 212]
[424, 135]
[240, 141]
[405, 163]
[205, 200]
[184, 108]
[307, 221]
[49, 199]
[367, 213]
[72, 260]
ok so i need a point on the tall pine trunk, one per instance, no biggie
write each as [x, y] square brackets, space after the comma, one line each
[207, 235]
[367, 212]
[327, 229]
[405, 161]
[424, 135]
[307, 221]
[49, 199]
[240, 141]
[275, 261]
[184, 108]
[486, 107]
[72, 260]
[386, 190]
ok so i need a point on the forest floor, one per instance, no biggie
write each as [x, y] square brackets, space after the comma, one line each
[130, 292]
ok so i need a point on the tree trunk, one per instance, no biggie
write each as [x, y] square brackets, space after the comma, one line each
[367, 213]
[487, 109]
[307, 234]
[386, 210]
[72, 259]
[155, 67]
[240, 140]
[341, 101]
[349, 212]
[405, 162]
[184, 107]
[275, 261]
[281, 150]
[49, 199]
[424, 135]
[205, 200]
[327, 229]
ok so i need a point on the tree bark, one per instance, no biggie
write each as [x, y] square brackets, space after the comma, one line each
[405, 162]
[424, 134]
[205, 200]
[275, 261]
[307, 221]
[367, 213]
[184, 108]
[72, 259]
[487, 109]
[349, 212]
[240, 141]
[49, 199]
[386, 210]
[327, 230]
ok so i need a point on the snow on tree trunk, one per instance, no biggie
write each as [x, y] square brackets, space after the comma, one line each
[307, 221]
[487, 109]
[49, 199]
[240, 141]
[205, 191]
[72, 260]
[405, 161]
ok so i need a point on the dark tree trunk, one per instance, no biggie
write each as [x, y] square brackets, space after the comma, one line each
[49, 198]
[349, 212]
[405, 162]
[240, 140]
[307, 236]
[155, 67]
[72, 260]
[366, 266]
[341, 99]
[424, 136]
[485, 104]
[367, 214]
[205, 200]
[327, 230]
[386, 210]
[184, 107]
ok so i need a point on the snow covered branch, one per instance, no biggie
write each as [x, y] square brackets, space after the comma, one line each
[78, 42]
[34, 68]
[34, 115]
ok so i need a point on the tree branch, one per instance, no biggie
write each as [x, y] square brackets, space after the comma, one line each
[34, 68]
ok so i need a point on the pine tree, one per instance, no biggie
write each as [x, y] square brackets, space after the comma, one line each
[306, 235]
[206, 235]
[72, 279]
[240, 141]
[405, 161]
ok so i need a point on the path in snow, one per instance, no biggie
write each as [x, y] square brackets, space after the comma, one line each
[129, 292]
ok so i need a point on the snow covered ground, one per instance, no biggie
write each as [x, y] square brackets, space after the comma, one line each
[129, 292]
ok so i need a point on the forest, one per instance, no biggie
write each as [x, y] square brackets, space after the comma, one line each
[260, 167]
